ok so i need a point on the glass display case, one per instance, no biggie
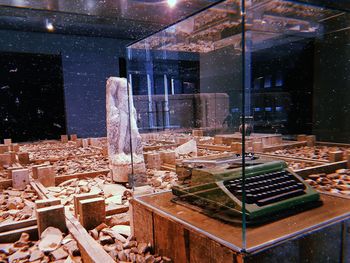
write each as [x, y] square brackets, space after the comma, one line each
[247, 102]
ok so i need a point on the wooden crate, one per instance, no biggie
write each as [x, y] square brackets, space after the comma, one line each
[187, 235]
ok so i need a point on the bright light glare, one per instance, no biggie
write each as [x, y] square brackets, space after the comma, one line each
[172, 3]
[49, 26]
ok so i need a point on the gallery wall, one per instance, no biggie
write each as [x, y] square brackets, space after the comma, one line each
[87, 62]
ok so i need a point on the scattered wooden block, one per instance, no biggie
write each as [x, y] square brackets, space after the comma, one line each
[168, 157]
[4, 148]
[51, 216]
[13, 156]
[301, 137]
[64, 138]
[79, 143]
[14, 147]
[79, 197]
[46, 175]
[236, 147]
[94, 141]
[7, 141]
[5, 159]
[104, 151]
[152, 160]
[23, 157]
[217, 140]
[335, 156]
[257, 147]
[92, 212]
[73, 137]
[35, 170]
[20, 178]
[47, 203]
[197, 132]
[85, 143]
[310, 140]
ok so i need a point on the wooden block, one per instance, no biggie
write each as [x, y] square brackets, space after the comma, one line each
[335, 156]
[168, 157]
[85, 143]
[92, 212]
[310, 140]
[14, 147]
[64, 138]
[257, 147]
[236, 147]
[4, 148]
[217, 140]
[79, 197]
[94, 142]
[104, 151]
[47, 203]
[79, 143]
[7, 141]
[5, 159]
[13, 156]
[46, 175]
[152, 160]
[51, 216]
[20, 178]
[197, 132]
[301, 137]
[73, 137]
[35, 170]
[23, 157]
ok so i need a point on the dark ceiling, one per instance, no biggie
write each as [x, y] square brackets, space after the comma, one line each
[128, 19]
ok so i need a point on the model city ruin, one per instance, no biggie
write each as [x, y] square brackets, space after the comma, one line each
[68, 171]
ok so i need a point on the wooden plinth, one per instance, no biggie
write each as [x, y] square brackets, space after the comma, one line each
[182, 233]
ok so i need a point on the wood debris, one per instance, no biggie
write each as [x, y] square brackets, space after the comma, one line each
[336, 183]
[52, 247]
[122, 247]
[17, 205]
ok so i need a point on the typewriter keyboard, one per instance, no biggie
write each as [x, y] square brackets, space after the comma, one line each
[268, 188]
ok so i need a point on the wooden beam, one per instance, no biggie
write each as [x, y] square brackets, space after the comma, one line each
[62, 178]
[91, 251]
[51, 216]
[18, 225]
[92, 212]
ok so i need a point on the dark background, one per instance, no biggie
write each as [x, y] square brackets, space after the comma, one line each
[31, 96]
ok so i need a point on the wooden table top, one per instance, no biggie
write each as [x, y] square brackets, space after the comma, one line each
[334, 209]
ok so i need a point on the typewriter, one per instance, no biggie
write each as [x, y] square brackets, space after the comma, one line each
[271, 190]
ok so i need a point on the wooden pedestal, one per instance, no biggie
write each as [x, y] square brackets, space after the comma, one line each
[186, 235]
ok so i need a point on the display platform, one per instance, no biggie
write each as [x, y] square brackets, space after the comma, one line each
[187, 235]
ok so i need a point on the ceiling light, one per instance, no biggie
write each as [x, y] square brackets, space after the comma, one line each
[49, 26]
[172, 3]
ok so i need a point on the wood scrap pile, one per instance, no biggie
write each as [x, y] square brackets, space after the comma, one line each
[62, 153]
[17, 205]
[336, 183]
[81, 165]
[102, 185]
[43, 146]
[53, 246]
[118, 242]
[316, 152]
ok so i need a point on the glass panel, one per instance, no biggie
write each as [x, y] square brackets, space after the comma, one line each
[187, 83]
[298, 99]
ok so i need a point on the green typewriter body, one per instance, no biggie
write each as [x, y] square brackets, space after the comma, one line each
[271, 190]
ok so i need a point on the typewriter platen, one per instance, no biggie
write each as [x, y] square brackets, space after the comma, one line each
[271, 189]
